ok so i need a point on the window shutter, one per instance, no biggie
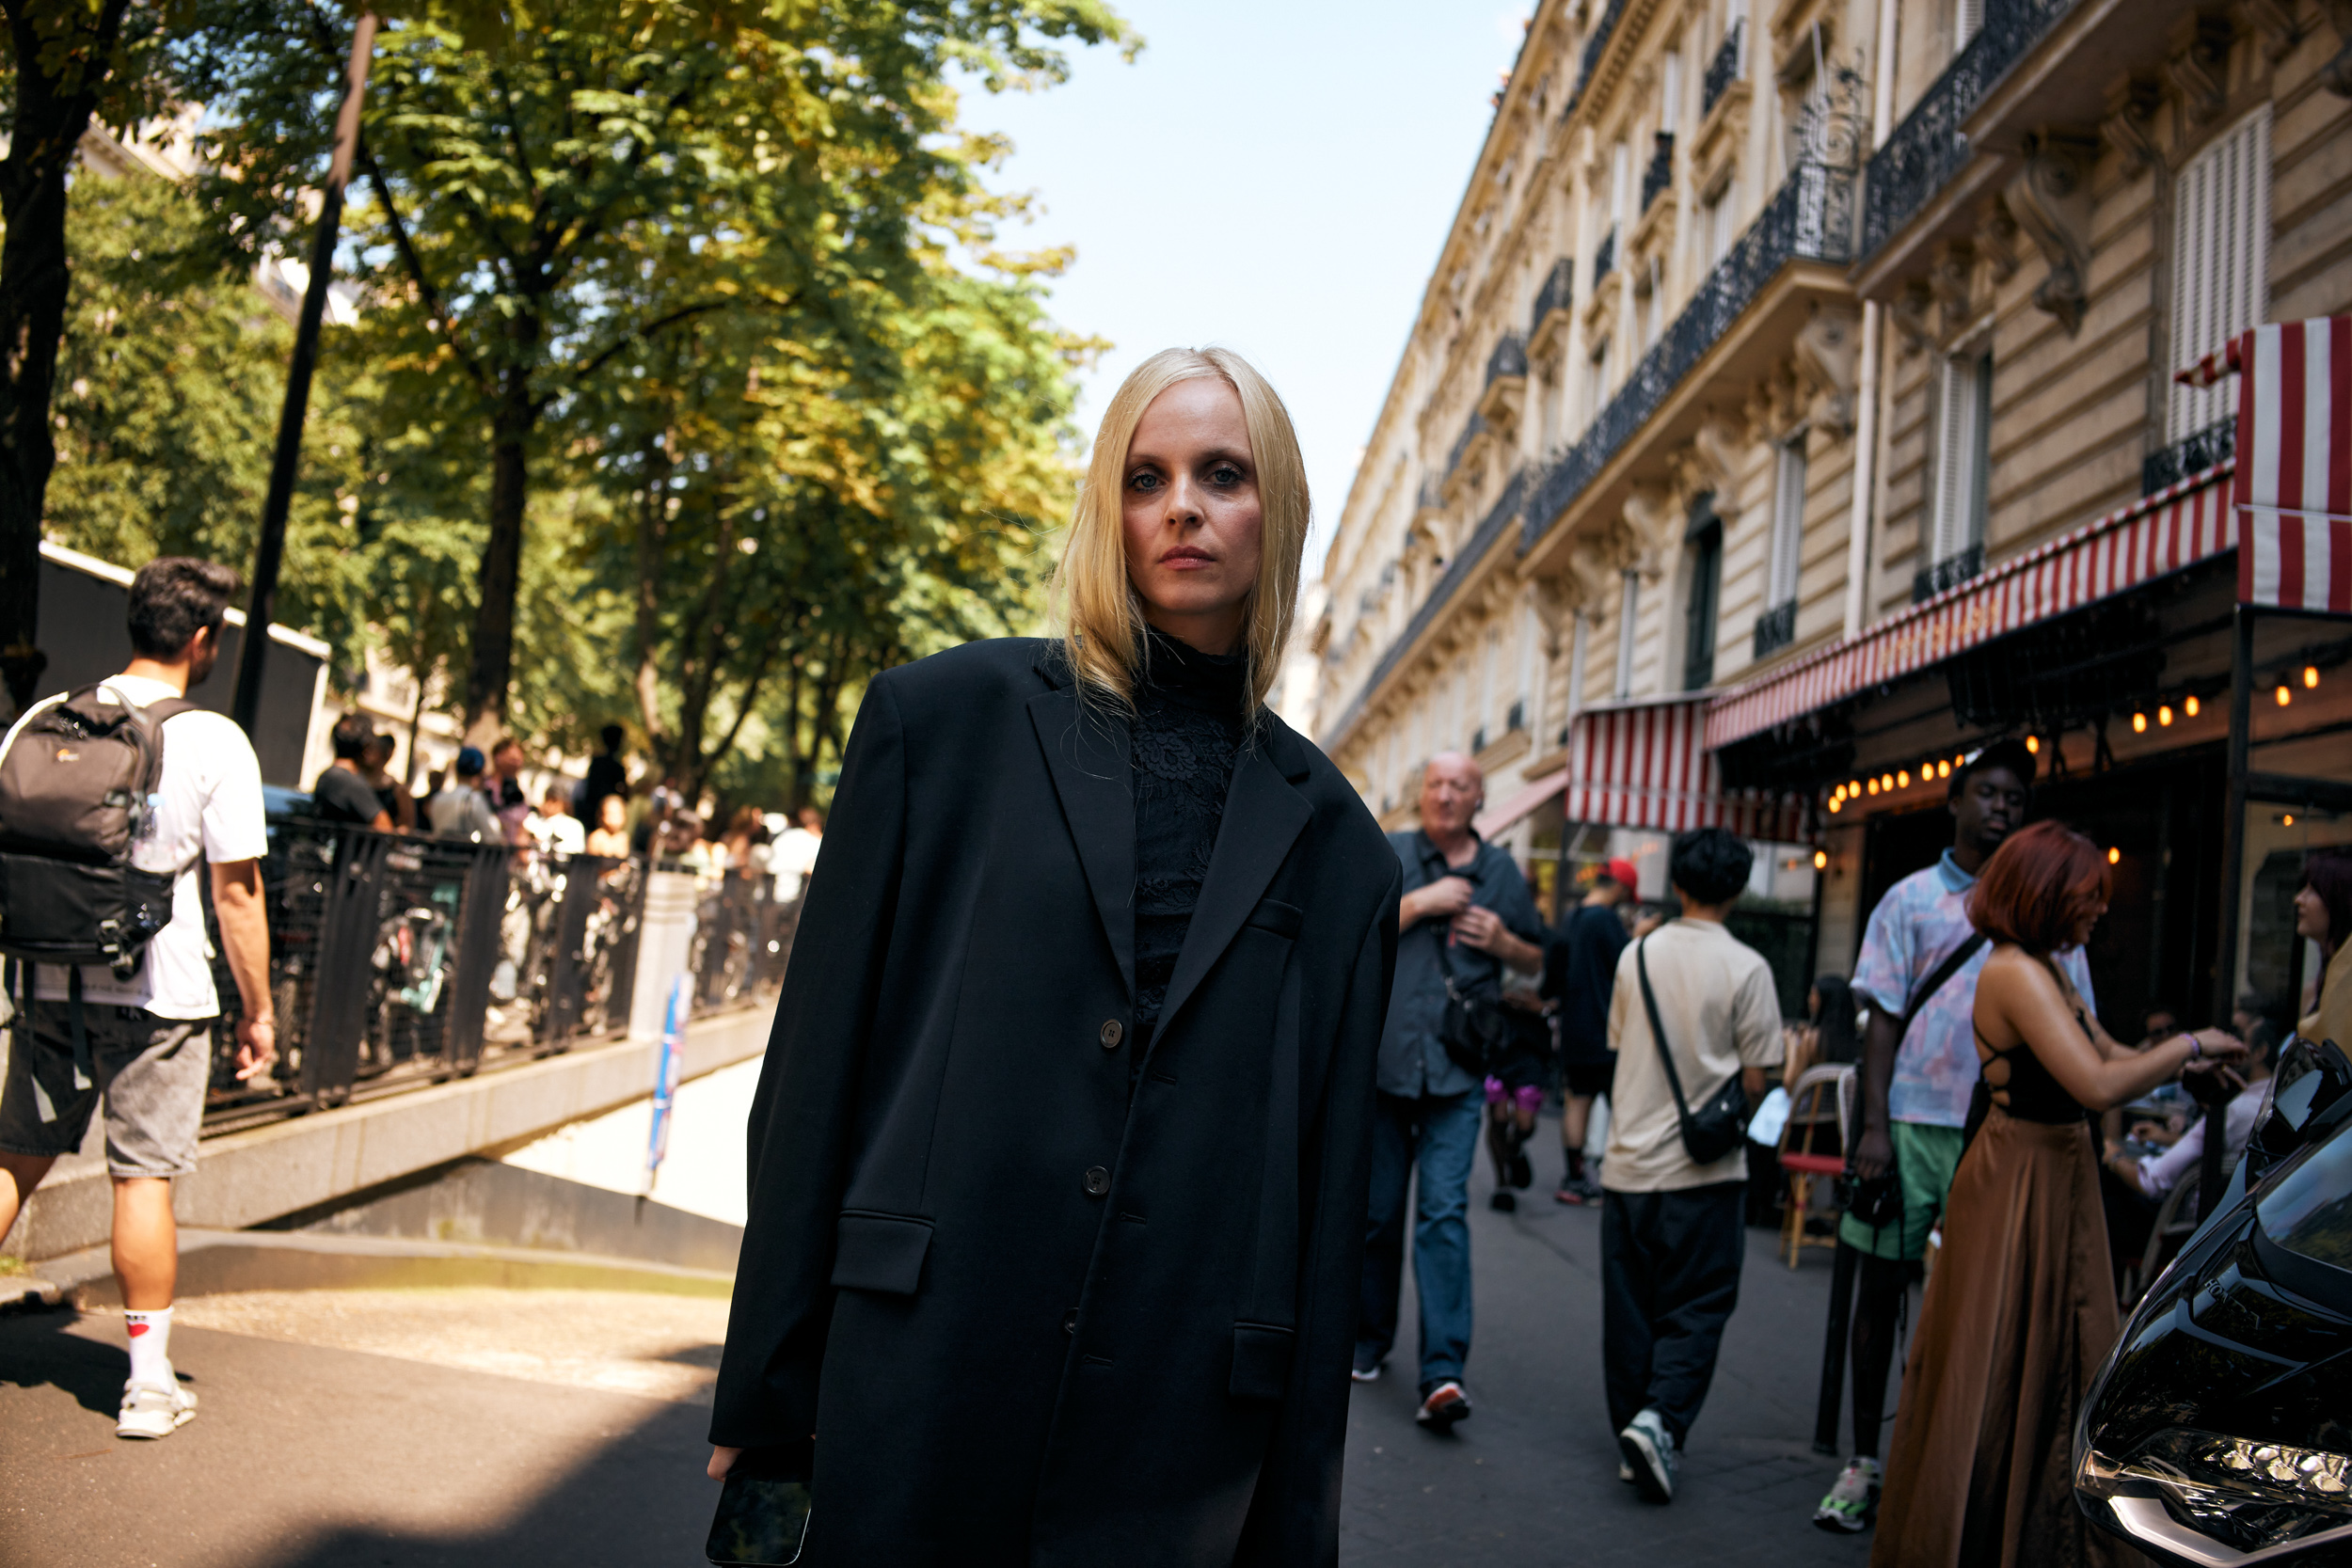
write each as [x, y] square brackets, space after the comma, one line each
[1787, 542]
[1967, 17]
[1629, 602]
[2220, 261]
[1952, 403]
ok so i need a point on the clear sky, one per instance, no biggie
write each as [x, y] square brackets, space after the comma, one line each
[1275, 176]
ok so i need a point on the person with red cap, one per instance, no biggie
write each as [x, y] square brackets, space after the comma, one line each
[1579, 970]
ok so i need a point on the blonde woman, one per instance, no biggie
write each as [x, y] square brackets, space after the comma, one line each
[1058, 1160]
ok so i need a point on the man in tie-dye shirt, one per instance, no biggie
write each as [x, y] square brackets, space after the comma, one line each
[1915, 1085]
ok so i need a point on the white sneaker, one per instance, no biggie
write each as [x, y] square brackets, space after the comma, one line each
[152, 1410]
[1649, 1452]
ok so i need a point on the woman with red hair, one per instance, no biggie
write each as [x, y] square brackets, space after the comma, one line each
[2021, 1310]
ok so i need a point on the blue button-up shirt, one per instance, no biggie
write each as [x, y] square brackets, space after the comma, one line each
[1413, 1062]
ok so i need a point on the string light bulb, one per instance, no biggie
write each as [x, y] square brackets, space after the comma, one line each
[2115, 856]
[1943, 769]
[2287, 821]
[2139, 724]
[2284, 696]
[2311, 678]
[1874, 786]
[2164, 714]
[1902, 778]
[1837, 804]
[2033, 745]
[2189, 705]
[1820, 860]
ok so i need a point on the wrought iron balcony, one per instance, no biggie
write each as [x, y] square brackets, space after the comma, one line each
[1660, 172]
[1605, 259]
[1929, 146]
[2214, 444]
[1474, 551]
[1723, 69]
[1508, 359]
[1949, 573]
[1558, 290]
[1776, 628]
[1810, 219]
[1471, 431]
[1596, 44]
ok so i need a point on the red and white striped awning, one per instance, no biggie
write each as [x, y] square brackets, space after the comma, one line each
[1647, 765]
[1520, 802]
[2155, 535]
[2293, 490]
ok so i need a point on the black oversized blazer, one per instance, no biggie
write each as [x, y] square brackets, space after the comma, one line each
[1033, 1310]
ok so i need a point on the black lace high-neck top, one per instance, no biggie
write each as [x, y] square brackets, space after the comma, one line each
[1187, 730]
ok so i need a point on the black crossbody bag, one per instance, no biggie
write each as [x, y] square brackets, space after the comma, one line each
[1720, 1126]
[1478, 1032]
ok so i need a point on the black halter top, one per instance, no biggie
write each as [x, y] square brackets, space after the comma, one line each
[2030, 1094]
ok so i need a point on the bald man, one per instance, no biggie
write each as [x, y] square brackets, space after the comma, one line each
[1466, 912]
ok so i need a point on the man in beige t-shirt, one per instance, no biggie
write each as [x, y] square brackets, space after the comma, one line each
[1671, 1238]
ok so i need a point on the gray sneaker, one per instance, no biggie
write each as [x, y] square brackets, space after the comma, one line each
[1853, 1502]
[1649, 1448]
[152, 1410]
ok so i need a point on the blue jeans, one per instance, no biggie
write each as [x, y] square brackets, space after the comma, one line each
[1442, 1133]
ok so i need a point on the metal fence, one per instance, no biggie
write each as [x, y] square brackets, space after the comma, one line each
[398, 962]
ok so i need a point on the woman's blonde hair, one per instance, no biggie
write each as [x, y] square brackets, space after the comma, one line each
[1101, 613]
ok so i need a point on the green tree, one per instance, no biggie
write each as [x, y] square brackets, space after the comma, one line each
[764, 158]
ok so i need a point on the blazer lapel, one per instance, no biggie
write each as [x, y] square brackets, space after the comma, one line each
[1263, 818]
[1087, 751]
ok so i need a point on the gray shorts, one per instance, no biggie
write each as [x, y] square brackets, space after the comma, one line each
[152, 1071]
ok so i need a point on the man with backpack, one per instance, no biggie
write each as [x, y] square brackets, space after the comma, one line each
[1917, 975]
[109, 797]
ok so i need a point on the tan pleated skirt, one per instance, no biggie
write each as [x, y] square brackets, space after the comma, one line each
[2018, 1316]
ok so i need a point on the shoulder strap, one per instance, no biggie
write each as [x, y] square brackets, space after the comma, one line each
[1658, 1031]
[1952, 963]
[1427, 853]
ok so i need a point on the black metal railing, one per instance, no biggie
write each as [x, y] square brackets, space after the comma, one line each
[1810, 219]
[402, 961]
[1723, 69]
[1473, 429]
[2215, 443]
[1929, 146]
[1559, 290]
[1491, 528]
[1776, 628]
[1949, 573]
[1604, 258]
[1660, 172]
[1509, 357]
[1596, 45]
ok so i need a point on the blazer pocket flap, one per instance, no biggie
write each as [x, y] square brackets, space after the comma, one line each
[881, 1252]
[1274, 916]
[1262, 1362]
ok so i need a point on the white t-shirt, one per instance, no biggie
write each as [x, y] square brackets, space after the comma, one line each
[557, 835]
[793, 857]
[1716, 999]
[209, 810]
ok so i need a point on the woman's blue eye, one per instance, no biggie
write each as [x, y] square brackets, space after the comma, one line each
[1144, 481]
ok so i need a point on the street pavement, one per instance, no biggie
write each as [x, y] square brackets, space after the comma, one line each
[442, 1432]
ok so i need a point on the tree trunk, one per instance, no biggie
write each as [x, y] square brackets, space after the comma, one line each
[52, 112]
[492, 668]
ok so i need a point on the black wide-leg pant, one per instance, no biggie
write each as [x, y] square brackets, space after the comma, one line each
[1669, 1278]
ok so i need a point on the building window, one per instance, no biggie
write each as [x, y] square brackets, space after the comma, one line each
[2220, 262]
[1715, 220]
[1967, 19]
[1703, 543]
[1788, 545]
[1629, 601]
[1963, 426]
[1597, 381]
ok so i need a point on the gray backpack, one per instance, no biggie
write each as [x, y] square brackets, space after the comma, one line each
[77, 792]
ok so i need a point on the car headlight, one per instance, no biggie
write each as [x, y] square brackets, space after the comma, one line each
[2222, 1501]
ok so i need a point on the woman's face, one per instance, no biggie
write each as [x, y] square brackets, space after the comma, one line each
[2083, 929]
[1191, 516]
[2310, 914]
[1813, 1003]
[612, 814]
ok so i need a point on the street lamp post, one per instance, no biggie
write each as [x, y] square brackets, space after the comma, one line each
[271, 551]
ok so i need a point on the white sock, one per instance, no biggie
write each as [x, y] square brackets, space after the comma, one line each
[151, 1346]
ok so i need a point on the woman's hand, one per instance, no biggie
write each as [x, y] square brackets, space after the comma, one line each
[2216, 1045]
[722, 1460]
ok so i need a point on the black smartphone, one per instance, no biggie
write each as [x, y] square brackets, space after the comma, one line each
[762, 1521]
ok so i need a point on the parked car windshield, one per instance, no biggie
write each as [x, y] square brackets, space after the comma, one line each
[2309, 1211]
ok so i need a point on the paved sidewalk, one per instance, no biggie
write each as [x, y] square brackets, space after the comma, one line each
[1530, 1481]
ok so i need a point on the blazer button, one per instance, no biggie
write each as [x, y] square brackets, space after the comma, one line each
[1097, 1181]
[1069, 1322]
[1112, 1033]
